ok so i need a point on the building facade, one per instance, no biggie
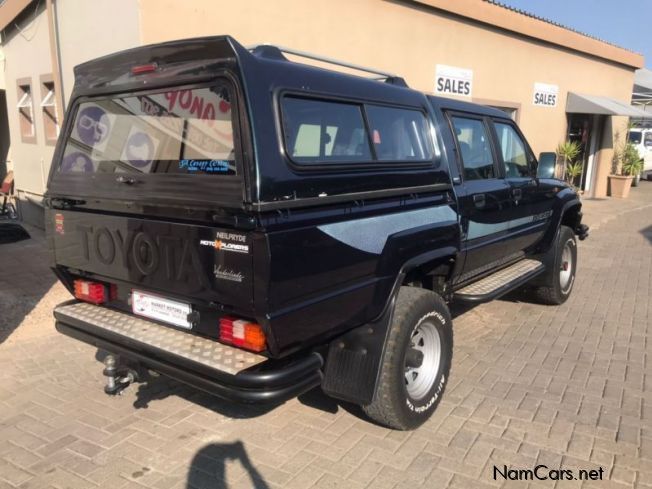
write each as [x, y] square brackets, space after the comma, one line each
[557, 83]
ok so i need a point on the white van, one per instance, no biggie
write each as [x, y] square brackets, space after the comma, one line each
[642, 140]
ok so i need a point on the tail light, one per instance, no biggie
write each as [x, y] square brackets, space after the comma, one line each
[242, 333]
[95, 292]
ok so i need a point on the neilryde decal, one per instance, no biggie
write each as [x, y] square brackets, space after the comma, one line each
[224, 242]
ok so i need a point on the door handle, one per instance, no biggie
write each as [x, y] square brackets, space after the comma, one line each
[479, 200]
[517, 193]
[125, 180]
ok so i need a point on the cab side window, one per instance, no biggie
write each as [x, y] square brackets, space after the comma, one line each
[475, 152]
[399, 134]
[513, 151]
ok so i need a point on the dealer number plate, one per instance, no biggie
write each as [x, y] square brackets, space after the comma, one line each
[161, 309]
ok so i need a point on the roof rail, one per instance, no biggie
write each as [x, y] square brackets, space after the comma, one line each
[276, 52]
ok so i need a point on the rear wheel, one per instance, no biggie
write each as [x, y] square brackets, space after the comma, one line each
[560, 279]
[416, 361]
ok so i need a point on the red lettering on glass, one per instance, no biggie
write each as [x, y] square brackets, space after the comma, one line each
[185, 99]
[172, 98]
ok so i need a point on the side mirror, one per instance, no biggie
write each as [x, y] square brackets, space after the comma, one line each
[547, 163]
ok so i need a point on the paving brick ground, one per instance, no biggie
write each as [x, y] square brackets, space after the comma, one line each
[567, 386]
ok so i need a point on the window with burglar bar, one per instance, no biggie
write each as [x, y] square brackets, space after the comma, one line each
[25, 108]
[49, 109]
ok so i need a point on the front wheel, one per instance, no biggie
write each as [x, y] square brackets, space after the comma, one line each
[416, 361]
[560, 279]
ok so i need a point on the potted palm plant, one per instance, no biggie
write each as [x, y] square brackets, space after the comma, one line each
[632, 163]
[627, 159]
[569, 169]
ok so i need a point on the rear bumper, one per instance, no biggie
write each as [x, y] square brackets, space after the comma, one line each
[266, 382]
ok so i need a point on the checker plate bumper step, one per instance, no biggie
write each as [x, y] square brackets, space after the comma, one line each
[500, 282]
[225, 371]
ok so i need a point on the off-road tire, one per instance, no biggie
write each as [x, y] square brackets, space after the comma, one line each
[392, 405]
[552, 292]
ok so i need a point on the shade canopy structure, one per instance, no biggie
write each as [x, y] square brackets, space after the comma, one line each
[642, 94]
[594, 104]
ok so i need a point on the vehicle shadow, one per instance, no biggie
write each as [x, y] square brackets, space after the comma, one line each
[208, 467]
[25, 277]
[153, 387]
[647, 233]
[160, 387]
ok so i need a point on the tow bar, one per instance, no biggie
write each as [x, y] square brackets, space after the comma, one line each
[117, 379]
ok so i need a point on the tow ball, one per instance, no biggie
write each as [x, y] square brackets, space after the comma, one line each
[117, 378]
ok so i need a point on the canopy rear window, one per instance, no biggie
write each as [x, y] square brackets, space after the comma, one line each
[176, 131]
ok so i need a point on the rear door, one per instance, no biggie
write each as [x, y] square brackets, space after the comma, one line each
[483, 194]
[531, 206]
[139, 184]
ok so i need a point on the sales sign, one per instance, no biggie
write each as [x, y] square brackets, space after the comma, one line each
[545, 95]
[453, 80]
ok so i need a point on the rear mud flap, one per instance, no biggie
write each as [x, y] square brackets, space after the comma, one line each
[353, 362]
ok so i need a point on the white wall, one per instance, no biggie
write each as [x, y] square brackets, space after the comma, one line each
[87, 29]
[27, 55]
[90, 29]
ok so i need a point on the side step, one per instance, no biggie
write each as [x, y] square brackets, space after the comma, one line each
[500, 282]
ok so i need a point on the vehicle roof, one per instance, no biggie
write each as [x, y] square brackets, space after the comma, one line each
[316, 80]
[265, 75]
[445, 103]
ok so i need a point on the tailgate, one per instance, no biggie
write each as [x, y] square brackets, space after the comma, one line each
[179, 260]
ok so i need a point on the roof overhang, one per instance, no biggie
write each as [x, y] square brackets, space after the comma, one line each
[504, 18]
[642, 94]
[10, 9]
[594, 104]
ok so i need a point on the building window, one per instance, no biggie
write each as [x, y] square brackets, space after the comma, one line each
[49, 109]
[25, 108]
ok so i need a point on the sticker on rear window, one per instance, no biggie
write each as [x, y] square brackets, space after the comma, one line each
[205, 166]
[93, 125]
[139, 150]
[76, 162]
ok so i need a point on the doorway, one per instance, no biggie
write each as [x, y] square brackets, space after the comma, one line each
[584, 130]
